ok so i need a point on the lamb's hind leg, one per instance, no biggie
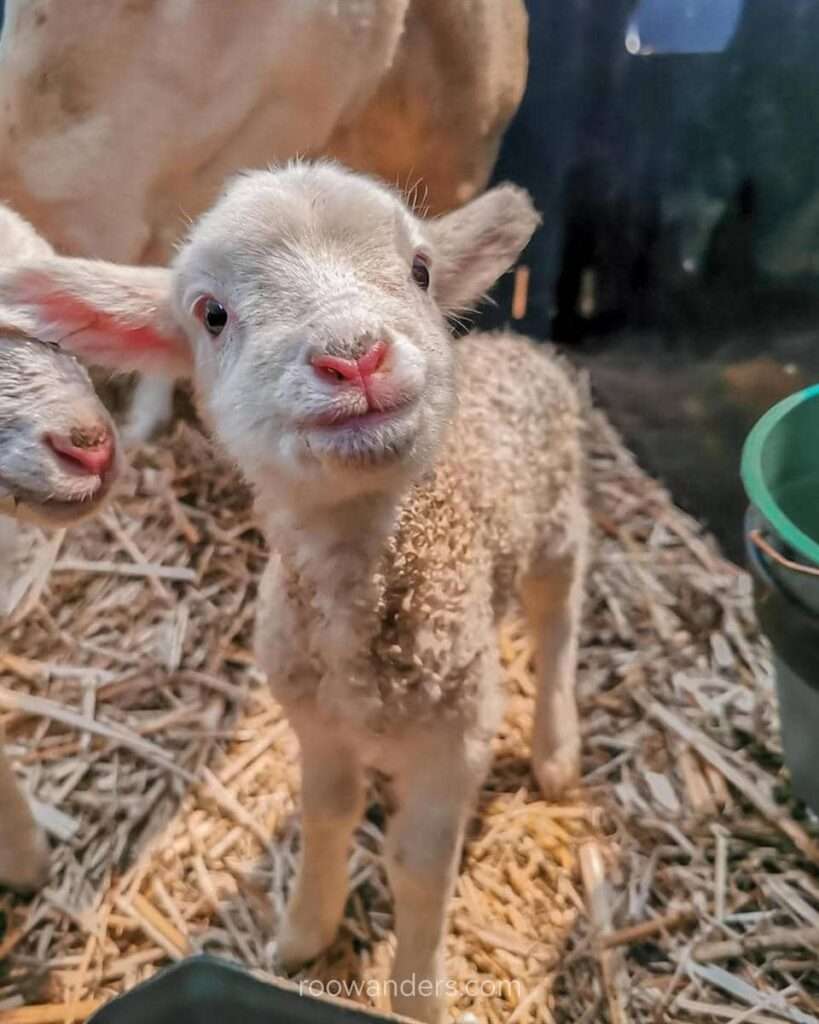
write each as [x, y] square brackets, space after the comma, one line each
[24, 857]
[552, 598]
[332, 798]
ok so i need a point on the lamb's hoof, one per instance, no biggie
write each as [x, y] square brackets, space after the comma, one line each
[558, 772]
[298, 945]
[29, 868]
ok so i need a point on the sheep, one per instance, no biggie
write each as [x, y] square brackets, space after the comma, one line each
[58, 461]
[409, 485]
[177, 96]
[58, 446]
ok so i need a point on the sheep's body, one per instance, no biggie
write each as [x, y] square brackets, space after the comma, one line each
[502, 501]
[409, 485]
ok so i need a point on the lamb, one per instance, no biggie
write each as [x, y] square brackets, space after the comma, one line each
[58, 447]
[58, 460]
[176, 97]
[410, 486]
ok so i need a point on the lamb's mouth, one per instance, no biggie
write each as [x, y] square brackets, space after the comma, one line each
[55, 509]
[371, 438]
[335, 421]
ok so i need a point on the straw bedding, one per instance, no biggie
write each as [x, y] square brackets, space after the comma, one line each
[679, 884]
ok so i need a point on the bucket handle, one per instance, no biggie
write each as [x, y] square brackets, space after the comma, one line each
[756, 538]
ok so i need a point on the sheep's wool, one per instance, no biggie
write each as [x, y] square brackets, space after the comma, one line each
[414, 637]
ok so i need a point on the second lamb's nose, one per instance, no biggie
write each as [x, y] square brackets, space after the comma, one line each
[350, 371]
[90, 451]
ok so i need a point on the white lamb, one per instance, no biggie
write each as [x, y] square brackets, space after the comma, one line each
[58, 459]
[121, 119]
[410, 486]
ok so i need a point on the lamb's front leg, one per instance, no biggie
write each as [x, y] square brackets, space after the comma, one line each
[24, 856]
[151, 409]
[435, 795]
[332, 805]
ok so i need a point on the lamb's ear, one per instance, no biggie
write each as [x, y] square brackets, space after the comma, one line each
[477, 243]
[109, 315]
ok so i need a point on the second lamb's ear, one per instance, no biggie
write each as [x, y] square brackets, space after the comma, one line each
[109, 315]
[477, 243]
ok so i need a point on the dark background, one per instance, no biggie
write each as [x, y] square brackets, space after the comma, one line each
[679, 257]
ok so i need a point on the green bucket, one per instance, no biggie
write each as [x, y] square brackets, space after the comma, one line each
[780, 472]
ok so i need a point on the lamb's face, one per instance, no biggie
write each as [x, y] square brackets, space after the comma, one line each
[58, 454]
[320, 351]
[308, 306]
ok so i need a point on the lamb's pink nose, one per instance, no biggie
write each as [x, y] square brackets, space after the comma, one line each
[91, 451]
[353, 371]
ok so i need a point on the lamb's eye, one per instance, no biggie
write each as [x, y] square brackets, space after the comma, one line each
[420, 271]
[212, 314]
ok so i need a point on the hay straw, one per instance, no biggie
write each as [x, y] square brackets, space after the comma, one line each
[134, 712]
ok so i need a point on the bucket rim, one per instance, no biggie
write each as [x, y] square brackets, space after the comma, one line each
[753, 479]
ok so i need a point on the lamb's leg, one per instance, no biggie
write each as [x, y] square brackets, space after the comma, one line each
[424, 844]
[151, 409]
[24, 857]
[332, 805]
[552, 599]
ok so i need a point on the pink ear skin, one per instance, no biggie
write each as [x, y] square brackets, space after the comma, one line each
[109, 315]
[102, 333]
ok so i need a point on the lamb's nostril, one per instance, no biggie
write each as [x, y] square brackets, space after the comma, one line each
[372, 359]
[335, 370]
[340, 371]
[92, 452]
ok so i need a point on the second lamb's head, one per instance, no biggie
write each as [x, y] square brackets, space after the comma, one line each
[309, 306]
[58, 445]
